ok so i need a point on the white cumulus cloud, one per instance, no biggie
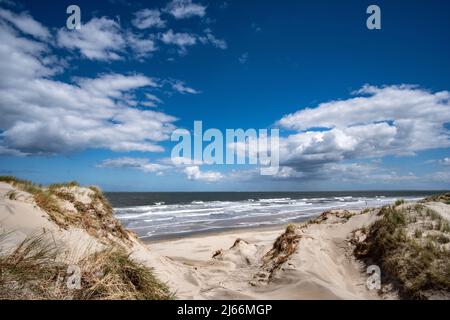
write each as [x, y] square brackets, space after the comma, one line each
[148, 18]
[194, 173]
[182, 40]
[182, 9]
[142, 164]
[210, 38]
[392, 120]
[41, 115]
[26, 24]
[98, 39]
[187, 167]
[180, 87]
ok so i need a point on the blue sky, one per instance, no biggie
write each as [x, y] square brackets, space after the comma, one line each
[98, 105]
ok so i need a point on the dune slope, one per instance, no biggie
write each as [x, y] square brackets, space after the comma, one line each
[50, 236]
[312, 261]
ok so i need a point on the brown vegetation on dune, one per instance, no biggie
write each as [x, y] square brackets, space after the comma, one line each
[62, 203]
[445, 198]
[283, 247]
[33, 271]
[37, 267]
[410, 244]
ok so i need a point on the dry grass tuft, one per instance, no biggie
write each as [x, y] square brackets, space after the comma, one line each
[283, 247]
[339, 215]
[44, 198]
[32, 271]
[112, 275]
[96, 216]
[445, 198]
[69, 184]
[12, 195]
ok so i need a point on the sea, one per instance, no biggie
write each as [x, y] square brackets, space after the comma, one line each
[166, 215]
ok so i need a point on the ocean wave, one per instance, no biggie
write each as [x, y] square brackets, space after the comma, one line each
[161, 219]
[274, 200]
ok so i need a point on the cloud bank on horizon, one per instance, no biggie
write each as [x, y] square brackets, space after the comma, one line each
[49, 110]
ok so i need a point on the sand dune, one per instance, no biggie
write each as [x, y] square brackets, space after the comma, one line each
[22, 218]
[322, 267]
[314, 260]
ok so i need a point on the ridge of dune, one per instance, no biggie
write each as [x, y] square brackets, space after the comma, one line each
[77, 229]
[21, 217]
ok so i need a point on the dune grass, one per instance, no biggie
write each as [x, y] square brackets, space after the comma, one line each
[283, 247]
[96, 216]
[445, 198]
[63, 185]
[44, 197]
[121, 278]
[419, 265]
[24, 185]
[30, 270]
[33, 271]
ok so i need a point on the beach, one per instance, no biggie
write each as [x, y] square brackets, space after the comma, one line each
[326, 256]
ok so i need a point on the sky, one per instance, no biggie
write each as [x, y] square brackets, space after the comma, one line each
[357, 109]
